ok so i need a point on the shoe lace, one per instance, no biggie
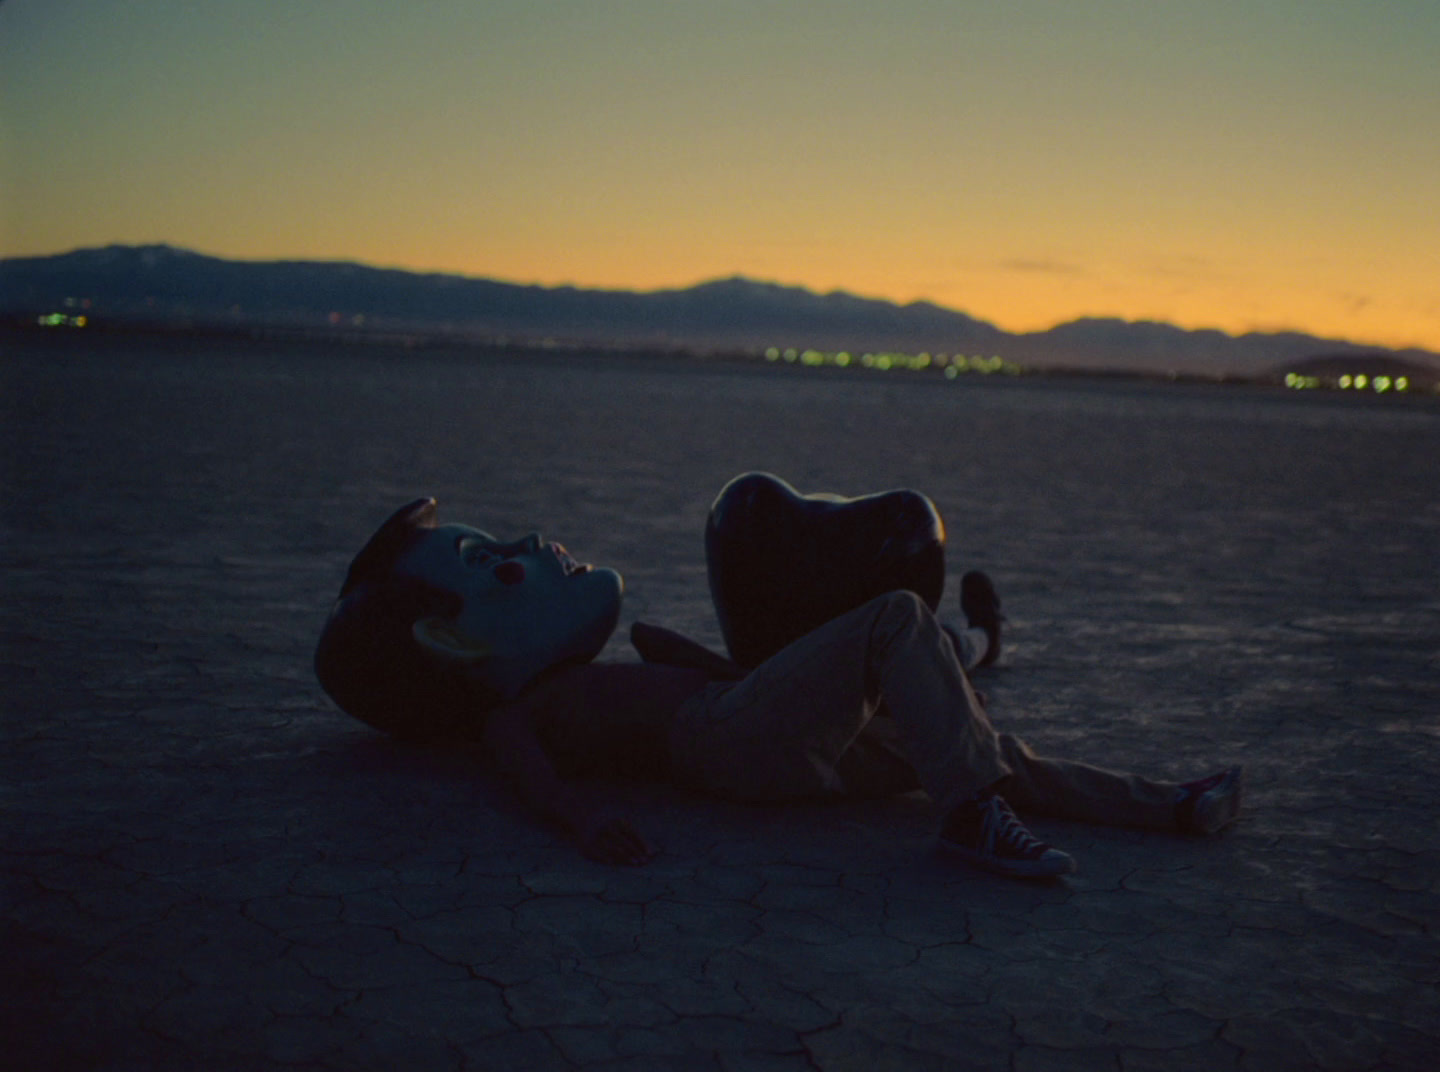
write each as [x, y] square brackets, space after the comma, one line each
[1004, 834]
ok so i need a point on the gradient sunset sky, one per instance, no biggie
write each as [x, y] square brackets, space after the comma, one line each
[1230, 163]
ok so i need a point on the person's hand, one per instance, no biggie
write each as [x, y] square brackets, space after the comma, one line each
[611, 839]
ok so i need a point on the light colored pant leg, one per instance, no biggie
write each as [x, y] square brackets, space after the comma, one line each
[779, 733]
[782, 732]
[1066, 789]
[973, 645]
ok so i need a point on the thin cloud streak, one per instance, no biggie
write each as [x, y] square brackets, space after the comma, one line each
[1041, 267]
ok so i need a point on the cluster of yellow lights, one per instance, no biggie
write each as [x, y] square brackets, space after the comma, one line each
[952, 365]
[61, 320]
[1347, 382]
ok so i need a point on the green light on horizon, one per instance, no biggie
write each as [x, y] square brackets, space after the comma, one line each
[61, 320]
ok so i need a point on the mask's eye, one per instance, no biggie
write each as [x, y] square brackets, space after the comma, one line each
[476, 555]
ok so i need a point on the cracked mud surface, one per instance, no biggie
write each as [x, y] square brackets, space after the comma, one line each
[205, 865]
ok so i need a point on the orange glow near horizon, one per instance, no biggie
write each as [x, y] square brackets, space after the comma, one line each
[1237, 167]
[1025, 299]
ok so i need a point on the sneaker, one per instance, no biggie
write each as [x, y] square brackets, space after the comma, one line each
[981, 606]
[1205, 806]
[985, 833]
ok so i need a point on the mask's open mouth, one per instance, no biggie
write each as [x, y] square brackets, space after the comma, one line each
[568, 564]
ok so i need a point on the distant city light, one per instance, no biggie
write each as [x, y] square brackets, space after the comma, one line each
[951, 365]
[1346, 381]
[62, 320]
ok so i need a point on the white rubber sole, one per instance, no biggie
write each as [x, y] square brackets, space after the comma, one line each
[1219, 807]
[1050, 864]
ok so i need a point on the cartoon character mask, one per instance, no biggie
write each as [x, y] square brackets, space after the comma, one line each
[527, 605]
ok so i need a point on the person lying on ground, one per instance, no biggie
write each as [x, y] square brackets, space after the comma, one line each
[444, 634]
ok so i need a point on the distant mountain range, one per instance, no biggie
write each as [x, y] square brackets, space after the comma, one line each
[161, 284]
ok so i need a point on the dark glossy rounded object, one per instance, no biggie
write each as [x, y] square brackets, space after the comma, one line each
[782, 563]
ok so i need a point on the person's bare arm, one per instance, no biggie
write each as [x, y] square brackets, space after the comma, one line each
[511, 743]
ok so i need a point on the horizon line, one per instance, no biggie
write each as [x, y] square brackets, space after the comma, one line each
[735, 276]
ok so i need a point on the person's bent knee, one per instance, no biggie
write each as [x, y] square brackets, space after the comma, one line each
[902, 604]
[898, 614]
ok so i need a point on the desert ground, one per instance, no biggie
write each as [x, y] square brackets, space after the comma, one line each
[207, 865]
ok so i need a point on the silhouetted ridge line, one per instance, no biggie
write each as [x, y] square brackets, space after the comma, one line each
[162, 284]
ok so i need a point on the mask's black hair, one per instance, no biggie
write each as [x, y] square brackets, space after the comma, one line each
[368, 659]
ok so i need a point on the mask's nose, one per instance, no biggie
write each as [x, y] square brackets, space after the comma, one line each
[510, 572]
